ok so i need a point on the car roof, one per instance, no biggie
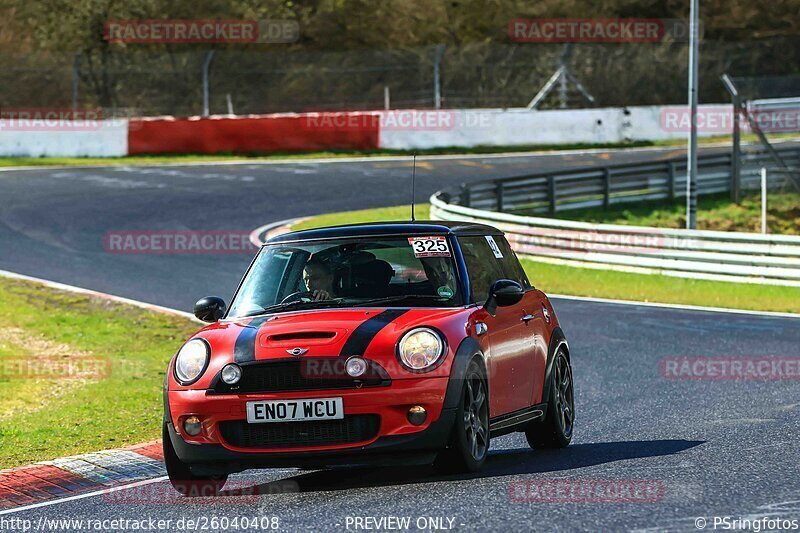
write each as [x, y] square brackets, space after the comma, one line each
[425, 227]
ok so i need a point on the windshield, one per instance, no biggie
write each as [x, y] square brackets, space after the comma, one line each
[399, 271]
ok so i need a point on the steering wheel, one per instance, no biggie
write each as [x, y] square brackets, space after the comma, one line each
[299, 296]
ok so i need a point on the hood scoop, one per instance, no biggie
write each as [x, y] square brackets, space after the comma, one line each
[306, 338]
[301, 336]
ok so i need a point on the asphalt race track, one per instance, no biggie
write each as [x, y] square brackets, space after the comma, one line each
[691, 448]
[53, 221]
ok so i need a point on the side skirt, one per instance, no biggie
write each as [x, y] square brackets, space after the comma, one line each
[516, 420]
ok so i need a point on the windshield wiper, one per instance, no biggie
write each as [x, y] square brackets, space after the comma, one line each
[321, 304]
[295, 305]
[400, 298]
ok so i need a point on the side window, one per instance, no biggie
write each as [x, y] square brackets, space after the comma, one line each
[483, 268]
[512, 269]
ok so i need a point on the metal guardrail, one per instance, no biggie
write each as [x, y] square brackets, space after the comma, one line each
[772, 259]
[549, 192]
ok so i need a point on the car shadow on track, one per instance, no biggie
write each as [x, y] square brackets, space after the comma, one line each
[500, 463]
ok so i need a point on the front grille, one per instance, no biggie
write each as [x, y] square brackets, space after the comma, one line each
[301, 374]
[349, 430]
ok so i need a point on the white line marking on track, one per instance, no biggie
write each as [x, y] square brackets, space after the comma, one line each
[587, 151]
[258, 231]
[255, 235]
[83, 496]
[676, 306]
[256, 240]
[90, 292]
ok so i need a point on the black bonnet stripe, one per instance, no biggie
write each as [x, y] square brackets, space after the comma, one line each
[245, 348]
[358, 341]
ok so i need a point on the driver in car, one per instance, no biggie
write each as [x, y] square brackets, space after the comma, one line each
[318, 277]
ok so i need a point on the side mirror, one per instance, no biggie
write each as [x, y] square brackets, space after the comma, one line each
[503, 293]
[210, 308]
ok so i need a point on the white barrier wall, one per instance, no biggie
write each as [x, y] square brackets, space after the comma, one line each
[699, 254]
[420, 129]
[409, 129]
[65, 139]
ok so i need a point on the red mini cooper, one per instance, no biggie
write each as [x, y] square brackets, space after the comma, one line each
[368, 344]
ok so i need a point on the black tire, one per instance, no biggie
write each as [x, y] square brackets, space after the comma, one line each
[181, 477]
[556, 430]
[469, 442]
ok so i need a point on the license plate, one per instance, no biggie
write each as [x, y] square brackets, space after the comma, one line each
[294, 410]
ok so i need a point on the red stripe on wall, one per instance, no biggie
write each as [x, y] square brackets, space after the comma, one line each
[253, 134]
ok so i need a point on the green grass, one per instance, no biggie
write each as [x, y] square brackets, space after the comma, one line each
[210, 158]
[578, 281]
[713, 139]
[222, 156]
[266, 156]
[396, 213]
[715, 212]
[51, 417]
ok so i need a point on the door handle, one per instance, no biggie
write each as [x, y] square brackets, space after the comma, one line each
[527, 318]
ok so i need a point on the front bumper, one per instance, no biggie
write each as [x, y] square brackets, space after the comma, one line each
[397, 440]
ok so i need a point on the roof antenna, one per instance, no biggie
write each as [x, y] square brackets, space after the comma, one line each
[413, 183]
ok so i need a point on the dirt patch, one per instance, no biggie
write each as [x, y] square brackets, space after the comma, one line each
[49, 370]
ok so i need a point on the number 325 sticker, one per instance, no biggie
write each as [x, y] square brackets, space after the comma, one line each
[429, 246]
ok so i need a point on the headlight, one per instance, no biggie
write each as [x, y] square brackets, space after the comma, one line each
[420, 349]
[192, 361]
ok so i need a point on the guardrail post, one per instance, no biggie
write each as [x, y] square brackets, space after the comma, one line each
[76, 80]
[437, 77]
[551, 194]
[499, 194]
[736, 153]
[465, 199]
[606, 188]
[671, 171]
[206, 66]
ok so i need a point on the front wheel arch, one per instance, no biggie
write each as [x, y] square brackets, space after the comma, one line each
[549, 432]
[557, 340]
[468, 350]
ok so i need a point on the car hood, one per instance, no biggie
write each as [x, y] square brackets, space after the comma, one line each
[319, 333]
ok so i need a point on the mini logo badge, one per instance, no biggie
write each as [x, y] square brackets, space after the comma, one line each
[546, 313]
[297, 352]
